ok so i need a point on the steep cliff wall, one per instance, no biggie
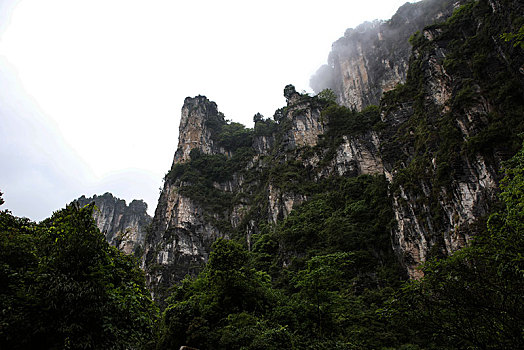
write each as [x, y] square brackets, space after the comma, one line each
[449, 128]
[373, 57]
[124, 226]
[198, 121]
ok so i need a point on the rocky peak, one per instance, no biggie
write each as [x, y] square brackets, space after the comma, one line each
[305, 119]
[200, 119]
[123, 226]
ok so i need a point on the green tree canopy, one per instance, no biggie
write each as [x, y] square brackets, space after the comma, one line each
[64, 287]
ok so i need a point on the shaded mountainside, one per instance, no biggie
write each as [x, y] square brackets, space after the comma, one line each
[448, 128]
[438, 140]
[124, 226]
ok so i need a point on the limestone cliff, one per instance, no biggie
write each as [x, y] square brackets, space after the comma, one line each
[197, 122]
[219, 169]
[124, 226]
[373, 57]
[439, 139]
[181, 232]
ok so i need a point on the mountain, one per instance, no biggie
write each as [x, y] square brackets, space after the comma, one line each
[390, 226]
[450, 110]
[124, 226]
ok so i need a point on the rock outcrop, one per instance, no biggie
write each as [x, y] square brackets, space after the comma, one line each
[124, 226]
[199, 119]
[184, 228]
[181, 232]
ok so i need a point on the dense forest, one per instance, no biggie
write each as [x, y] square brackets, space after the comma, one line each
[64, 287]
[324, 277]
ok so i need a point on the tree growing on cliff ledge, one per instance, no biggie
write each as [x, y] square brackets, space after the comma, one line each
[289, 91]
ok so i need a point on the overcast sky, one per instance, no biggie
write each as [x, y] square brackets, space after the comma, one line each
[91, 90]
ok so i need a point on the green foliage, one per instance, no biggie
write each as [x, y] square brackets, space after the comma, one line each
[234, 136]
[265, 127]
[517, 38]
[319, 287]
[339, 264]
[64, 287]
[417, 39]
[340, 269]
[327, 96]
[228, 298]
[290, 176]
[344, 121]
[197, 177]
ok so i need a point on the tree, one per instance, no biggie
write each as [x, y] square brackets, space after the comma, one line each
[66, 288]
[289, 91]
[258, 118]
[517, 38]
[320, 284]
[328, 96]
[224, 307]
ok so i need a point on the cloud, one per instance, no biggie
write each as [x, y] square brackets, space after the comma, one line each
[39, 170]
[323, 79]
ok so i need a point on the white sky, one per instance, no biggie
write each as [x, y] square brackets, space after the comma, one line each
[91, 90]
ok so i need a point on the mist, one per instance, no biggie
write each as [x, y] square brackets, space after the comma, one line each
[394, 33]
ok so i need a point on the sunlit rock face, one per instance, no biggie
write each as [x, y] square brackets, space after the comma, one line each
[179, 241]
[124, 226]
[306, 123]
[373, 57]
[199, 117]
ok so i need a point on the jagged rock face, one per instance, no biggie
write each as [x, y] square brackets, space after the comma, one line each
[263, 144]
[182, 231]
[196, 127]
[306, 123]
[281, 203]
[356, 155]
[373, 58]
[123, 226]
[179, 241]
